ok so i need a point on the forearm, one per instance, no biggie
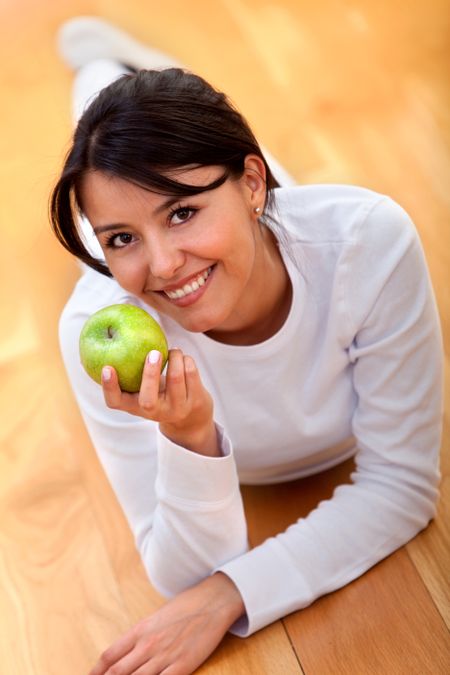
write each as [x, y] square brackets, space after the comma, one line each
[199, 522]
[332, 546]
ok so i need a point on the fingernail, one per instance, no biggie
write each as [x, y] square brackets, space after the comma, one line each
[153, 357]
[106, 374]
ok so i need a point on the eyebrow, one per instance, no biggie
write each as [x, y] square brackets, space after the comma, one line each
[118, 226]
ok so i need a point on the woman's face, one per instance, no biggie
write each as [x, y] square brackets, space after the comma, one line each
[197, 259]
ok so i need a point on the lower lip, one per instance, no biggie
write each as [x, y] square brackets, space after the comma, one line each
[189, 299]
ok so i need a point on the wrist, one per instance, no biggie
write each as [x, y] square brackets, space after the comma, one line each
[202, 440]
[226, 596]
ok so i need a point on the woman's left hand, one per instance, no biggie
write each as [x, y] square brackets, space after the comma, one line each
[178, 637]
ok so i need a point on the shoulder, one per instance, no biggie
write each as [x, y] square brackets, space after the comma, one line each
[352, 245]
[320, 214]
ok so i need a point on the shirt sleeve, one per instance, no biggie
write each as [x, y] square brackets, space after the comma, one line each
[175, 501]
[391, 329]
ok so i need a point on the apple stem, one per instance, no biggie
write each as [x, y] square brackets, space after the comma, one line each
[110, 332]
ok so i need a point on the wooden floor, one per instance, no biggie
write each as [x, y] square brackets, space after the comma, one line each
[339, 91]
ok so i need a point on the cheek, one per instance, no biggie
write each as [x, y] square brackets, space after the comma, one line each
[228, 238]
[238, 247]
[129, 273]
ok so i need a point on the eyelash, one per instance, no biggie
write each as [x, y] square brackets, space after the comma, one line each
[110, 240]
[178, 208]
[109, 243]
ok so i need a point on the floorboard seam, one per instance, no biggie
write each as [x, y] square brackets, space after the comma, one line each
[426, 588]
[293, 647]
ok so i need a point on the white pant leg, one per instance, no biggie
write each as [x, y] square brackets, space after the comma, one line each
[90, 79]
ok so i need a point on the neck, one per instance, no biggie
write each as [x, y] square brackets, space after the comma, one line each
[259, 321]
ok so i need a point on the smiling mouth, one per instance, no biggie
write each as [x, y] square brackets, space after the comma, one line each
[193, 286]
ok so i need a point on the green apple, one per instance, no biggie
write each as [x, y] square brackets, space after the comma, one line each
[121, 336]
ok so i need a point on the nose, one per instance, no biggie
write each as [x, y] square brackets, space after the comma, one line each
[164, 257]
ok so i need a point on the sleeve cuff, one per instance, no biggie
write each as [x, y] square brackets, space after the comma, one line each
[269, 585]
[188, 476]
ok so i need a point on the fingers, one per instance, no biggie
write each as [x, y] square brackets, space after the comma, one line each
[176, 392]
[168, 398]
[132, 661]
[111, 390]
[193, 382]
[117, 651]
[146, 401]
[149, 393]
[114, 397]
[172, 386]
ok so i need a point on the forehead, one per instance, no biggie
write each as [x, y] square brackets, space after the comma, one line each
[105, 197]
[95, 182]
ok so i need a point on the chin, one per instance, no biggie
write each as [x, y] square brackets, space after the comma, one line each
[199, 324]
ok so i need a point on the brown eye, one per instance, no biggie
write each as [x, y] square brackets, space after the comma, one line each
[120, 240]
[181, 215]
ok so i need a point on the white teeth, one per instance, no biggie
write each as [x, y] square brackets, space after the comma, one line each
[189, 288]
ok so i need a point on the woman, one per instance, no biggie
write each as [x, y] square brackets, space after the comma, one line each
[306, 332]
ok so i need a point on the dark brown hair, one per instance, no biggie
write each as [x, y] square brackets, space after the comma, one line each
[142, 127]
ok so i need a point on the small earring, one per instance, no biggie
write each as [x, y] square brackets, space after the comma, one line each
[256, 209]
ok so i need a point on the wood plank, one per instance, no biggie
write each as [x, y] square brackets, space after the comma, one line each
[384, 622]
[58, 595]
[267, 651]
[340, 92]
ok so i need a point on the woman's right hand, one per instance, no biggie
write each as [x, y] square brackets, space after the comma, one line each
[179, 402]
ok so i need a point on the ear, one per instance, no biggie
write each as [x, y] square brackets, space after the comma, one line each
[254, 180]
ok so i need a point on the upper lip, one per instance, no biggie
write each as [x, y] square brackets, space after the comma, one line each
[183, 282]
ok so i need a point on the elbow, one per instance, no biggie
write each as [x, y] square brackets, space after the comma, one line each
[420, 506]
[173, 567]
[163, 584]
[427, 496]
[161, 573]
[420, 518]
[156, 580]
[170, 572]
[429, 505]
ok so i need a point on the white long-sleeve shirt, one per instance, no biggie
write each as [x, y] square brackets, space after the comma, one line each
[356, 369]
